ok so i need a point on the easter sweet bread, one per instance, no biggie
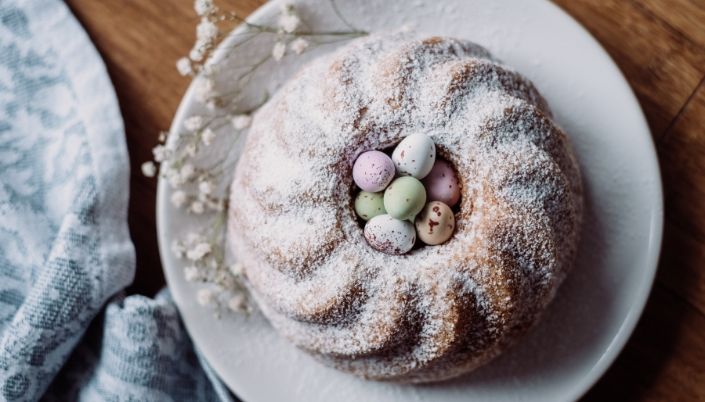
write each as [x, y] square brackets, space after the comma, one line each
[437, 311]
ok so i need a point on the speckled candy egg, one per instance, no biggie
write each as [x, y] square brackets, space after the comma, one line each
[442, 184]
[389, 235]
[373, 170]
[404, 198]
[435, 223]
[368, 205]
[414, 156]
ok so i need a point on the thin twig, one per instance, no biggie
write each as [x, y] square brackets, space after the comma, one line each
[340, 16]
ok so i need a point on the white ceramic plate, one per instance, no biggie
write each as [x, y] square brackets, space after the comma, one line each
[599, 304]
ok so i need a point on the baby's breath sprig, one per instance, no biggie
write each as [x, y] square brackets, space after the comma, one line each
[197, 184]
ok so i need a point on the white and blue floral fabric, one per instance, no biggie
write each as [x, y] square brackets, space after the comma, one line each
[66, 332]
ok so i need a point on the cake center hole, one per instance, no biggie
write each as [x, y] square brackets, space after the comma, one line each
[405, 196]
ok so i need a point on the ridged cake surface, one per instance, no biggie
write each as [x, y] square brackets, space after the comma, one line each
[436, 312]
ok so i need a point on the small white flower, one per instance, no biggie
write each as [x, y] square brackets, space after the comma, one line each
[161, 153]
[237, 303]
[298, 45]
[174, 179]
[172, 176]
[191, 273]
[198, 52]
[149, 169]
[203, 7]
[211, 69]
[213, 103]
[166, 169]
[183, 65]
[206, 31]
[241, 121]
[190, 150]
[197, 207]
[204, 89]
[278, 51]
[198, 251]
[187, 171]
[162, 136]
[236, 269]
[204, 297]
[194, 123]
[178, 198]
[193, 238]
[207, 136]
[205, 187]
[178, 249]
[289, 22]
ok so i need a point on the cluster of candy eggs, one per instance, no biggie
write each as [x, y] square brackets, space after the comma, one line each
[395, 192]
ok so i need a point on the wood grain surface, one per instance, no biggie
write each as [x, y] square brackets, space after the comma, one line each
[658, 44]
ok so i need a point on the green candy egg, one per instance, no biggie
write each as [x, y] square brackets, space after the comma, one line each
[404, 198]
[368, 205]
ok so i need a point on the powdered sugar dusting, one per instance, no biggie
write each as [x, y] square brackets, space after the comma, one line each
[438, 311]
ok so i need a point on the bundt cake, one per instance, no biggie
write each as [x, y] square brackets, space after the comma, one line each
[438, 311]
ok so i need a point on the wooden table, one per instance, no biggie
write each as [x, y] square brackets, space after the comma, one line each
[658, 44]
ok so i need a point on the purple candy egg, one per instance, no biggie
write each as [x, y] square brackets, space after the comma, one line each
[442, 184]
[373, 171]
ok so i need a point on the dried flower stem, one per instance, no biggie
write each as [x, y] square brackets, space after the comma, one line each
[199, 189]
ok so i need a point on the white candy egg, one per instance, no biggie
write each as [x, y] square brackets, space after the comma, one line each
[390, 235]
[415, 156]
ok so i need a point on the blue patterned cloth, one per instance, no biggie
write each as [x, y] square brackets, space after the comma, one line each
[66, 332]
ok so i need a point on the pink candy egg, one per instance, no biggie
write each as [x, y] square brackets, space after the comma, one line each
[442, 184]
[373, 171]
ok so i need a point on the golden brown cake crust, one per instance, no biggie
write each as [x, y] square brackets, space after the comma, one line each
[436, 312]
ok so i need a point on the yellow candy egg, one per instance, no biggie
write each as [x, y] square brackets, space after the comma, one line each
[435, 223]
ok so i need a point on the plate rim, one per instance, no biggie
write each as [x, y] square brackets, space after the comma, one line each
[655, 235]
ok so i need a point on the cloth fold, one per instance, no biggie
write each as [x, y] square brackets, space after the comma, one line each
[64, 243]
[137, 350]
